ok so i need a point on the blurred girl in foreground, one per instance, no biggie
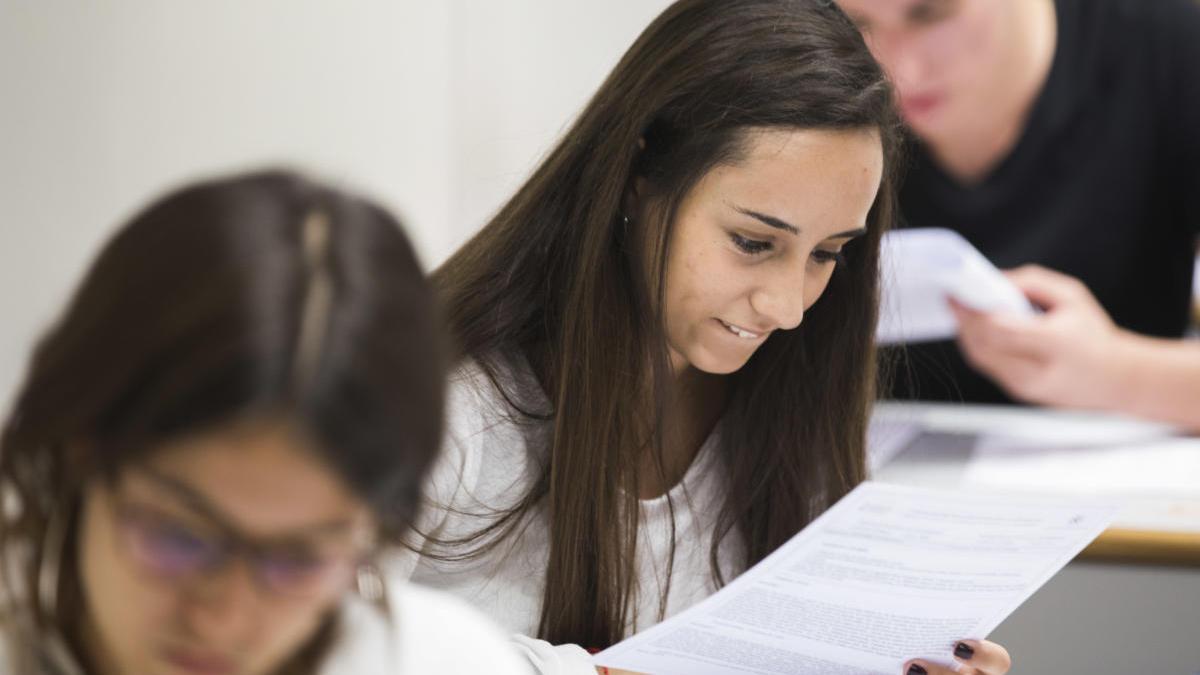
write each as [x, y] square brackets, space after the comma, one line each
[222, 433]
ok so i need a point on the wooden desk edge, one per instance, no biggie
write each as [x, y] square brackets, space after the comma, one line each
[1146, 547]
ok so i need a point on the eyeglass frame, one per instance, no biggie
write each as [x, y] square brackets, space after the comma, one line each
[230, 544]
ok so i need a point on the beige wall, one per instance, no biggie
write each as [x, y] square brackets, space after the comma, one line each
[436, 108]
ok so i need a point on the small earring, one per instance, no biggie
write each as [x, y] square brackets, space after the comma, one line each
[369, 583]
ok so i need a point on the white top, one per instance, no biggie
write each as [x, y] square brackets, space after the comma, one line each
[428, 633]
[490, 460]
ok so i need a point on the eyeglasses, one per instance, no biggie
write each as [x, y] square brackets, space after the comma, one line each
[172, 551]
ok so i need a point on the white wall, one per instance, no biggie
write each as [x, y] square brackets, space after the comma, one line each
[522, 69]
[437, 108]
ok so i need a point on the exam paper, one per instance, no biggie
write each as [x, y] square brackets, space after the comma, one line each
[889, 573]
[920, 268]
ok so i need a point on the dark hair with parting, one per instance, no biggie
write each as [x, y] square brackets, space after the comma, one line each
[260, 295]
[558, 278]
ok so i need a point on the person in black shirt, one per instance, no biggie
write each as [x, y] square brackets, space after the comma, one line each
[1064, 134]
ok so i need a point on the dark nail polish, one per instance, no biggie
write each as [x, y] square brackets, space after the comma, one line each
[963, 651]
[914, 669]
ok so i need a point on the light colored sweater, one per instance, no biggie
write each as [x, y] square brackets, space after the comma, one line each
[429, 633]
[490, 460]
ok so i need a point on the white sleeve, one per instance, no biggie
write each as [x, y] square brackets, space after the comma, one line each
[548, 659]
[439, 633]
[451, 490]
[453, 476]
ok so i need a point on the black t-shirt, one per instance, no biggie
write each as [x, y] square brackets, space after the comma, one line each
[1104, 183]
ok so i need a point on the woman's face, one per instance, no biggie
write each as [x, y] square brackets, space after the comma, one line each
[755, 242]
[220, 555]
[950, 60]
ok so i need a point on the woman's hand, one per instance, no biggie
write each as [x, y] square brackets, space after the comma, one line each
[973, 657]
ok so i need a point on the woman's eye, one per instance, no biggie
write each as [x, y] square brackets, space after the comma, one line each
[750, 246]
[825, 257]
[171, 548]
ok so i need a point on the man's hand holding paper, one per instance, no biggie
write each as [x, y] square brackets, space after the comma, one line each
[923, 268]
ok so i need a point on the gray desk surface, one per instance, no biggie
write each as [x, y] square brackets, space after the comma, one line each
[1108, 619]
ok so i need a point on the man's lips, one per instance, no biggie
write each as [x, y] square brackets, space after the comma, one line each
[199, 663]
[921, 104]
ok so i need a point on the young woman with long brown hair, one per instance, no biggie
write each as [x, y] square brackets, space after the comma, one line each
[229, 423]
[666, 336]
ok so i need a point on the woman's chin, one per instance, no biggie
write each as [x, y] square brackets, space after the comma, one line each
[718, 364]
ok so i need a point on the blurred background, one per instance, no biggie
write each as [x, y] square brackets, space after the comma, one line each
[436, 109]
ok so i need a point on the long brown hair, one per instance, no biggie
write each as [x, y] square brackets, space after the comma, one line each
[557, 276]
[262, 294]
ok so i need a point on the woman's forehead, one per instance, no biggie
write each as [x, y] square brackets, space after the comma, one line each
[262, 477]
[814, 179]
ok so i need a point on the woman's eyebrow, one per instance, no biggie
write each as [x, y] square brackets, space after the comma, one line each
[770, 221]
[780, 224]
[190, 497]
[198, 502]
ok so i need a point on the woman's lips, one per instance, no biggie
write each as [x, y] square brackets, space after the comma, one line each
[740, 332]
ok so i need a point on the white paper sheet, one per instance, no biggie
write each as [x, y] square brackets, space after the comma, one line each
[1157, 482]
[1020, 426]
[1148, 468]
[920, 268]
[889, 573]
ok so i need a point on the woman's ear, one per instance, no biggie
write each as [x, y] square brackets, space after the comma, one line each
[635, 196]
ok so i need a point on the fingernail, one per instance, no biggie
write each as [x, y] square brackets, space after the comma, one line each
[914, 669]
[963, 651]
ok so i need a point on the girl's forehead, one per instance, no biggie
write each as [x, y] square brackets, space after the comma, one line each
[801, 176]
[262, 477]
